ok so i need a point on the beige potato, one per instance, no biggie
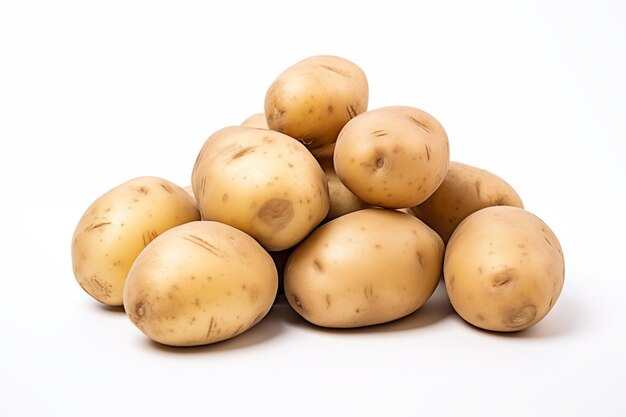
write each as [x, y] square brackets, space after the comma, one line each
[200, 283]
[392, 157]
[464, 190]
[116, 228]
[367, 267]
[261, 182]
[503, 269]
[313, 99]
[256, 120]
[342, 201]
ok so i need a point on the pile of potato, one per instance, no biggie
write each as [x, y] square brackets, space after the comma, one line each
[358, 211]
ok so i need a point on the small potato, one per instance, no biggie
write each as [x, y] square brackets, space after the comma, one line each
[261, 182]
[503, 269]
[200, 283]
[342, 201]
[312, 100]
[464, 190]
[256, 120]
[118, 225]
[392, 157]
[367, 267]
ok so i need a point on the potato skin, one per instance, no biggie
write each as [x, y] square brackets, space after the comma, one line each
[503, 269]
[464, 190]
[313, 99]
[261, 182]
[200, 283]
[116, 228]
[342, 201]
[257, 120]
[367, 267]
[392, 157]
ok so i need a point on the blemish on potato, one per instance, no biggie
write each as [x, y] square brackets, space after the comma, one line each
[420, 258]
[327, 300]
[140, 189]
[166, 187]
[520, 317]
[95, 226]
[211, 323]
[296, 301]
[202, 243]
[419, 123]
[335, 70]
[330, 109]
[225, 197]
[477, 185]
[502, 278]
[318, 265]
[276, 213]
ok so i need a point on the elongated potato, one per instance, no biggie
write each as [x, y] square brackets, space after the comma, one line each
[393, 157]
[342, 201]
[313, 99]
[261, 182]
[116, 228]
[257, 120]
[367, 267]
[200, 283]
[464, 190]
[503, 269]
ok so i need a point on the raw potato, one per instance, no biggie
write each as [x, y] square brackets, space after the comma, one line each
[503, 269]
[367, 267]
[118, 225]
[342, 201]
[256, 120]
[200, 283]
[312, 100]
[464, 190]
[261, 182]
[393, 157]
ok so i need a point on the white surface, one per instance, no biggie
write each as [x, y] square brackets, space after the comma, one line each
[95, 93]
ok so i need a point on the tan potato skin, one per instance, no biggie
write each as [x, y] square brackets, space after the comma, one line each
[342, 201]
[256, 120]
[367, 267]
[261, 182]
[117, 227]
[503, 269]
[464, 190]
[200, 283]
[313, 99]
[392, 157]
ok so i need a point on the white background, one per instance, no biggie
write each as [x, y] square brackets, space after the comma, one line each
[95, 93]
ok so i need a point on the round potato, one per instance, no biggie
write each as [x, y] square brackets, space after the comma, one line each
[342, 201]
[367, 267]
[256, 120]
[312, 100]
[200, 283]
[118, 225]
[261, 182]
[464, 190]
[392, 157]
[503, 269]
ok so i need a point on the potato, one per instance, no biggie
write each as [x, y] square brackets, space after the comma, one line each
[464, 190]
[118, 225]
[367, 267]
[342, 201]
[503, 269]
[200, 283]
[256, 120]
[312, 100]
[261, 182]
[392, 157]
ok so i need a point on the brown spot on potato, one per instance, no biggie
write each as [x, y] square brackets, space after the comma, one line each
[211, 324]
[202, 243]
[351, 112]
[95, 226]
[296, 301]
[519, 317]
[477, 186]
[380, 162]
[140, 189]
[327, 300]
[419, 123]
[379, 133]
[503, 278]
[547, 240]
[420, 258]
[330, 109]
[368, 291]
[480, 317]
[427, 152]
[276, 213]
[139, 310]
[242, 152]
[335, 70]
[318, 265]
[166, 187]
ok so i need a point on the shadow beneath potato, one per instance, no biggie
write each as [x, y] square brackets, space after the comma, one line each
[268, 328]
[110, 309]
[433, 311]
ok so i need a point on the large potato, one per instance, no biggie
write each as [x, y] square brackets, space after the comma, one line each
[367, 267]
[118, 225]
[342, 201]
[392, 157]
[464, 190]
[503, 269]
[312, 100]
[200, 283]
[262, 182]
